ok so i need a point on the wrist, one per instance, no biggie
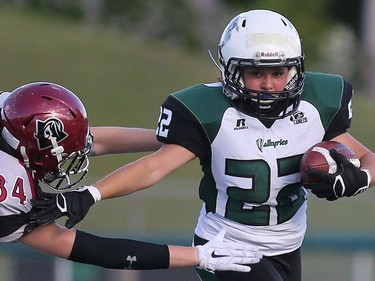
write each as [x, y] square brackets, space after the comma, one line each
[368, 176]
[95, 193]
[196, 256]
[202, 260]
[182, 256]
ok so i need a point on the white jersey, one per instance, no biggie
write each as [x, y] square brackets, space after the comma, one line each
[16, 190]
[251, 183]
[274, 147]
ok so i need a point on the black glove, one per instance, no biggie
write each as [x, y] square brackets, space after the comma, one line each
[75, 204]
[347, 181]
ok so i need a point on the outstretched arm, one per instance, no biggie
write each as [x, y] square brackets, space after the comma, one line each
[130, 178]
[119, 253]
[144, 172]
[111, 140]
[137, 175]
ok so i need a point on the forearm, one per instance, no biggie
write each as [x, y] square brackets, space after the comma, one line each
[111, 140]
[144, 172]
[365, 155]
[112, 253]
[130, 178]
[51, 239]
[118, 253]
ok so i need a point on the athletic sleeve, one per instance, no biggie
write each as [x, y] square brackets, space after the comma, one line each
[342, 121]
[178, 125]
[116, 253]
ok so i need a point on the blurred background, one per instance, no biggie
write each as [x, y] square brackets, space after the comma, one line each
[123, 58]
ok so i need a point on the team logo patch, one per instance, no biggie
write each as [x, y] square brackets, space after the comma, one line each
[262, 143]
[298, 117]
[48, 129]
[131, 260]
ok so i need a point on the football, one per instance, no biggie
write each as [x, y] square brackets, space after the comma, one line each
[318, 157]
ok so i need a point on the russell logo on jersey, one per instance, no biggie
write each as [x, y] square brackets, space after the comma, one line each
[240, 125]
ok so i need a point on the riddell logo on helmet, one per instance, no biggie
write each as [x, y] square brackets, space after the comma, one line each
[270, 54]
[52, 128]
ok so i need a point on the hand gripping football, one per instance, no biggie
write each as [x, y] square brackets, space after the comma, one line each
[318, 157]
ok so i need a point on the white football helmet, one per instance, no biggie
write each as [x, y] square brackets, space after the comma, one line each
[261, 38]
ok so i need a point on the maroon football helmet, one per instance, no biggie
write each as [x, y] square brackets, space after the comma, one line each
[47, 126]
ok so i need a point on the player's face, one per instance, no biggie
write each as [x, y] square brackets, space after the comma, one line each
[266, 78]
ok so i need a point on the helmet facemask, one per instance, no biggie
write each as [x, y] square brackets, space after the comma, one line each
[261, 39]
[267, 105]
[71, 168]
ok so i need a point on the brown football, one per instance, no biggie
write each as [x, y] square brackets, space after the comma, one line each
[318, 157]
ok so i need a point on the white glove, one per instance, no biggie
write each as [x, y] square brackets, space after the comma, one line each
[219, 255]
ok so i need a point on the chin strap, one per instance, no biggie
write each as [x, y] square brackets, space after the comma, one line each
[26, 160]
[213, 60]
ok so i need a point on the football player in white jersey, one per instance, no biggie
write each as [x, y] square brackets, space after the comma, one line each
[45, 137]
[249, 132]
